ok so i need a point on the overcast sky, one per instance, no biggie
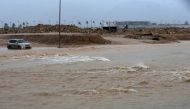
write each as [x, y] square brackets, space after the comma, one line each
[46, 11]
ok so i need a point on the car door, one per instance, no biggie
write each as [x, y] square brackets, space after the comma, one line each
[15, 45]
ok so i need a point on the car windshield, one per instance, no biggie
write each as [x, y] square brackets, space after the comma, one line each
[12, 41]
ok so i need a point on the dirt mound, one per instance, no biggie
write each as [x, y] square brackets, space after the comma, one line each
[168, 34]
[157, 30]
[65, 39]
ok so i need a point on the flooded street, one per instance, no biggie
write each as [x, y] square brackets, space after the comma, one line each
[143, 76]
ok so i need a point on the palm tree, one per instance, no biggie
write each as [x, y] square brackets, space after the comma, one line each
[94, 23]
[20, 26]
[91, 23]
[13, 27]
[101, 24]
[186, 23]
[23, 24]
[87, 23]
[6, 27]
[79, 23]
[27, 24]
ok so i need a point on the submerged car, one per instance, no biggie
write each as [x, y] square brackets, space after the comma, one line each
[18, 44]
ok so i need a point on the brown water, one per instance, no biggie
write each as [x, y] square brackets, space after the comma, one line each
[103, 77]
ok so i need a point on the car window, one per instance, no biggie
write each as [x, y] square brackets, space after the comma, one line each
[13, 41]
[21, 41]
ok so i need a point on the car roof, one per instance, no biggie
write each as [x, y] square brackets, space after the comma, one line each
[16, 39]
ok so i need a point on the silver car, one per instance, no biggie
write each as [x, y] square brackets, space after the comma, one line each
[18, 44]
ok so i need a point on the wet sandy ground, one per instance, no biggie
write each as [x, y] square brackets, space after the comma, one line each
[133, 77]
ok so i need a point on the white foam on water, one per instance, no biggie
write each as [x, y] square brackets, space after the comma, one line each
[137, 67]
[121, 89]
[69, 59]
[142, 65]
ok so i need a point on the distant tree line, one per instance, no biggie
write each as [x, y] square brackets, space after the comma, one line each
[12, 27]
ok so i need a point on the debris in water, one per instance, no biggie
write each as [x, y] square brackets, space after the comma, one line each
[131, 69]
[142, 65]
[144, 83]
[188, 80]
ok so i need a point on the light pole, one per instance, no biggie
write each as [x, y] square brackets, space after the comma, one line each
[59, 24]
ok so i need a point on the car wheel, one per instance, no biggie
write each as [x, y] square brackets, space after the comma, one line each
[9, 47]
[19, 47]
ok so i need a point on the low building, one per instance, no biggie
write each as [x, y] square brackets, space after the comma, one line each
[133, 24]
[110, 26]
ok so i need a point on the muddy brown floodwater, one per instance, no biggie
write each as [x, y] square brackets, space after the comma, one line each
[142, 76]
